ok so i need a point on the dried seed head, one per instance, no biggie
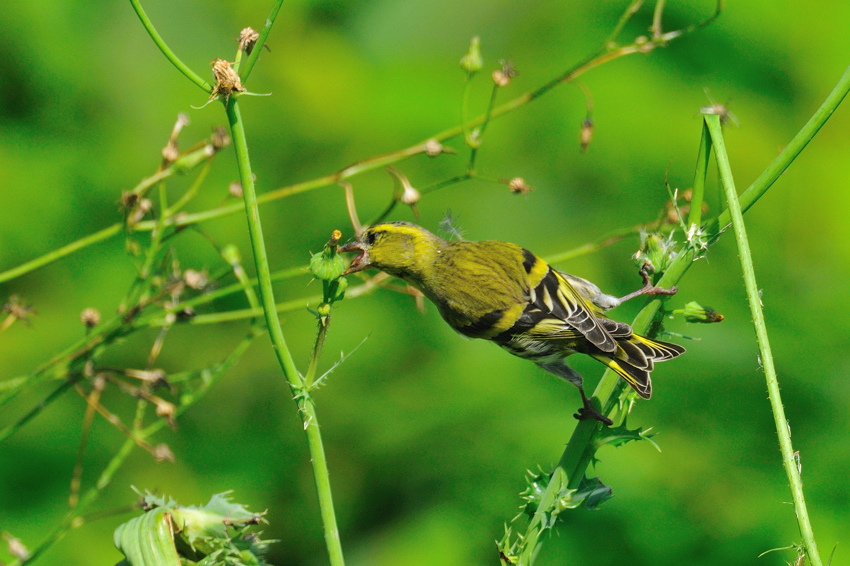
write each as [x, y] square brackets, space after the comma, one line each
[144, 206]
[227, 80]
[235, 189]
[248, 39]
[166, 410]
[517, 185]
[502, 77]
[433, 148]
[163, 453]
[129, 199]
[186, 314]
[219, 138]
[409, 195]
[18, 309]
[16, 547]
[195, 279]
[170, 153]
[586, 133]
[90, 317]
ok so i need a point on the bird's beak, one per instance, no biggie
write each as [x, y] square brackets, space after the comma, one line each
[361, 261]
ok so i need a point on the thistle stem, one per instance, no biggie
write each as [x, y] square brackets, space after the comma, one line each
[782, 428]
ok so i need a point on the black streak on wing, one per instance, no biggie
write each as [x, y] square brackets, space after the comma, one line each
[576, 315]
[529, 259]
[483, 324]
[529, 318]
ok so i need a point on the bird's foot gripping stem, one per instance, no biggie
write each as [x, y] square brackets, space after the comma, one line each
[648, 288]
[588, 411]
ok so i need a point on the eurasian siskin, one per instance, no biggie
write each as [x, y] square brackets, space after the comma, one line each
[501, 292]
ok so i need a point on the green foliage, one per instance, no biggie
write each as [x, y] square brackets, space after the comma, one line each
[216, 534]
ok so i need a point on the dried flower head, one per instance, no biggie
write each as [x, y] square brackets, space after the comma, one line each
[247, 39]
[502, 77]
[517, 185]
[235, 189]
[433, 148]
[162, 453]
[16, 547]
[586, 133]
[227, 80]
[166, 410]
[219, 139]
[90, 317]
[129, 199]
[17, 310]
[195, 279]
[408, 195]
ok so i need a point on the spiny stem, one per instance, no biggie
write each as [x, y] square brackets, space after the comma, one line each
[296, 383]
[573, 462]
[169, 54]
[782, 429]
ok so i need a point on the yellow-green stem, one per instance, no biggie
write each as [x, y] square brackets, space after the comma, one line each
[782, 429]
[296, 383]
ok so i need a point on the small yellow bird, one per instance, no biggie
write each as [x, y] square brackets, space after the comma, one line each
[501, 292]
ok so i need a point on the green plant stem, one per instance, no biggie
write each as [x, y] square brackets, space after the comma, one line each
[378, 161]
[782, 428]
[574, 461]
[778, 166]
[305, 403]
[190, 192]
[169, 54]
[362, 166]
[264, 34]
[590, 247]
[470, 167]
[656, 18]
[59, 253]
[11, 429]
[695, 215]
[631, 10]
[72, 519]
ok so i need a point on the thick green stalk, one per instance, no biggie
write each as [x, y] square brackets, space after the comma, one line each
[782, 429]
[305, 402]
[573, 462]
[169, 54]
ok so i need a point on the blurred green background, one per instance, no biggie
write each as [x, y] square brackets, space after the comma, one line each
[428, 435]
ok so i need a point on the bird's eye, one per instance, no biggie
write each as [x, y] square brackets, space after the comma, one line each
[370, 238]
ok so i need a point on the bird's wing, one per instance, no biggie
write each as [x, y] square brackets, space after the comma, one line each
[556, 311]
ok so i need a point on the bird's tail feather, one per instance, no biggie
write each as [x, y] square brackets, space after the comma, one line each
[634, 359]
[636, 377]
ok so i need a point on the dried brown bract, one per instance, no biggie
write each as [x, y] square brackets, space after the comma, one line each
[517, 185]
[227, 80]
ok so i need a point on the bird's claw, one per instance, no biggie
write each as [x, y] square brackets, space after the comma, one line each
[588, 412]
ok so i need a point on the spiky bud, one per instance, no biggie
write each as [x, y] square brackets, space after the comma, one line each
[694, 312]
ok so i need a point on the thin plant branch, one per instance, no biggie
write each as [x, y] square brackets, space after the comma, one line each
[246, 69]
[169, 54]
